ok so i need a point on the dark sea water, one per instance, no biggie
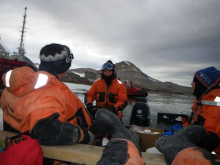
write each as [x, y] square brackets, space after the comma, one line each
[157, 102]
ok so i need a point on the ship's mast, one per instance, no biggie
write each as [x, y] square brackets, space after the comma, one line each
[21, 48]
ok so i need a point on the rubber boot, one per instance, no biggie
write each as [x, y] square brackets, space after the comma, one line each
[112, 124]
[187, 137]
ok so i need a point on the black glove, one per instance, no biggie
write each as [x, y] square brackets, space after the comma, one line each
[89, 106]
[112, 109]
[88, 136]
[210, 142]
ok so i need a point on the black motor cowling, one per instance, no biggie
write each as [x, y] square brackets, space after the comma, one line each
[140, 114]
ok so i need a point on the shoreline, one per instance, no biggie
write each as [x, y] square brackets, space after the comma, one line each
[148, 89]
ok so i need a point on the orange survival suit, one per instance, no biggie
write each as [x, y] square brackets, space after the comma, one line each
[209, 117]
[206, 108]
[115, 95]
[195, 156]
[39, 103]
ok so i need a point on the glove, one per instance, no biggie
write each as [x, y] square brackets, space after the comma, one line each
[112, 109]
[88, 137]
[89, 106]
[210, 142]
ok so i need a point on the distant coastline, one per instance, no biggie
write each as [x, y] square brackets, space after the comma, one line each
[126, 71]
[139, 86]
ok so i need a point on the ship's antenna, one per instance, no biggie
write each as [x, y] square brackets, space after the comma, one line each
[21, 48]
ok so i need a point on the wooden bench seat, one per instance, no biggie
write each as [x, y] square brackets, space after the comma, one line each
[81, 153]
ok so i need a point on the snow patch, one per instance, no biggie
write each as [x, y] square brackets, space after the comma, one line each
[80, 74]
[126, 62]
[152, 79]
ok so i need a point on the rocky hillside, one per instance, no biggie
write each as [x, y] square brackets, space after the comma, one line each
[128, 71]
[84, 69]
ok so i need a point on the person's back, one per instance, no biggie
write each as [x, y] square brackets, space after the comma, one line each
[38, 102]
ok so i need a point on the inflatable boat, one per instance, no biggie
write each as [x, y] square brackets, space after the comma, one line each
[137, 92]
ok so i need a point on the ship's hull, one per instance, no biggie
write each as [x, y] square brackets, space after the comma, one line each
[6, 65]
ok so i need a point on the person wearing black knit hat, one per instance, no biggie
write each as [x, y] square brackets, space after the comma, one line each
[42, 104]
[108, 92]
[55, 59]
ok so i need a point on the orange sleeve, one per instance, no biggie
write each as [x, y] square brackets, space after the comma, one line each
[122, 97]
[190, 156]
[90, 94]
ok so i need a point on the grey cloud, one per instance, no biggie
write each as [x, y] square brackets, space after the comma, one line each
[168, 40]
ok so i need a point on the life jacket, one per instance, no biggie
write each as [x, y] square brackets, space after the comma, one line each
[115, 95]
[207, 113]
[30, 96]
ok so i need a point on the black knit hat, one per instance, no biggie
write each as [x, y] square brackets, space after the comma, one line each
[55, 58]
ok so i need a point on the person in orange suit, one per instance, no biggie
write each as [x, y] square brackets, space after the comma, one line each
[206, 107]
[108, 91]
[131, 84]
[38, 102]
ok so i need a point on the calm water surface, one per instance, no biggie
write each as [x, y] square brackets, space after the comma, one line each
[158, 102]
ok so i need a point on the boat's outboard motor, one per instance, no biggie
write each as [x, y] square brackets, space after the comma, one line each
[140, 114]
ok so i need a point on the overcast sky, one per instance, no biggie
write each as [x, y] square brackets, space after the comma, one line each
[167, 39]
